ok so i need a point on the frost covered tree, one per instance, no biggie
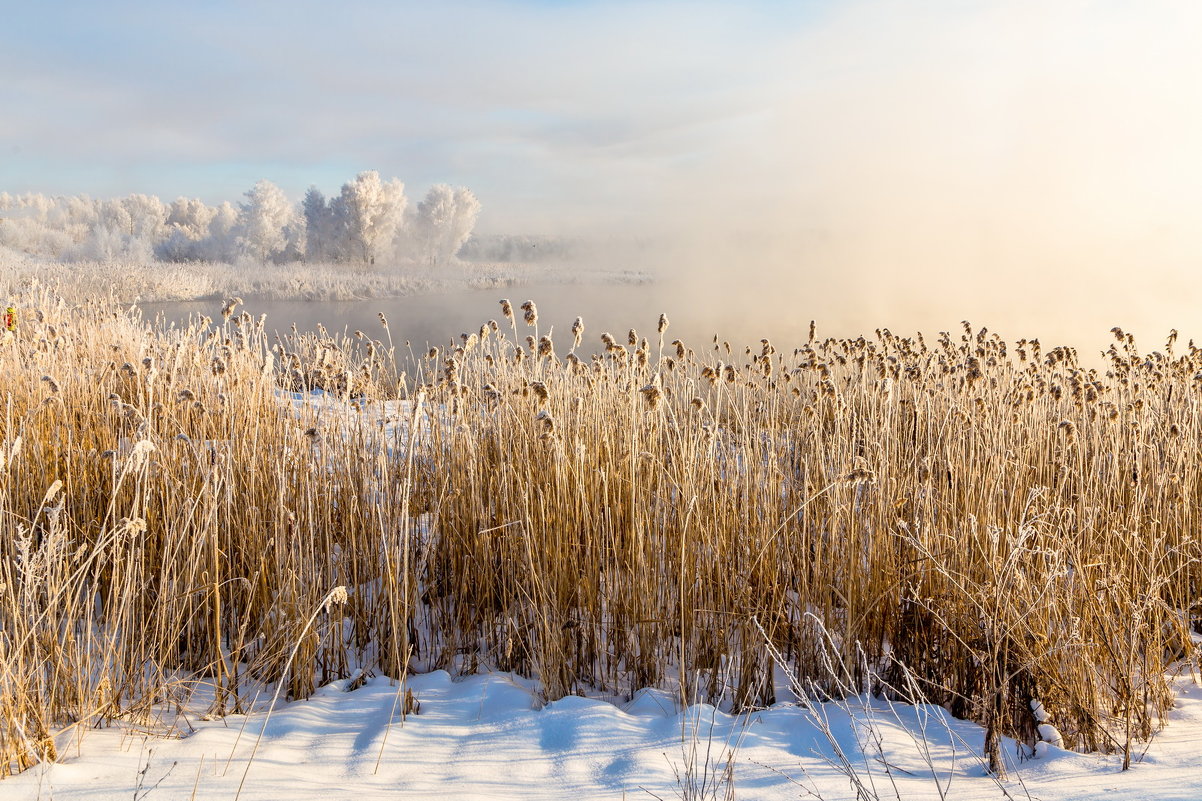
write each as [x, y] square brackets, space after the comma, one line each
[296, 238]
[43, 225]
[443, 222]
[178, 246]
[221, 243]
[188, 222]
[106, 243]
[321, 227]
[368, 213]
[369, 219]
[114, 215]
[190, 216]
[125, 228]
[147, 218]
[74, 215]
[265, 221]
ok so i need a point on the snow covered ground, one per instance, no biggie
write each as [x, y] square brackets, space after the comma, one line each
[489, 736]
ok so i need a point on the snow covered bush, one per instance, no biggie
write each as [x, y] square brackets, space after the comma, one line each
[366, 223]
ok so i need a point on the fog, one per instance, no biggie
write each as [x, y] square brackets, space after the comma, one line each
[1032, 167]
[418, 321]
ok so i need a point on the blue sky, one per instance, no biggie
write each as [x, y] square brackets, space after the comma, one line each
[528, 103]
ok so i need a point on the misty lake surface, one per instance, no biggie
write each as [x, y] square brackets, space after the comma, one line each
[437, 318]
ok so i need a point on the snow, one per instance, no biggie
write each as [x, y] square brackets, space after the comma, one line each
[490, 736]
[1050, 734]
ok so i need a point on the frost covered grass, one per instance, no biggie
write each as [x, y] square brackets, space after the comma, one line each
[986, 525]
[148, 281]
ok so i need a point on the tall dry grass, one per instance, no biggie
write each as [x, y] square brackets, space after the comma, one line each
[1005, 523]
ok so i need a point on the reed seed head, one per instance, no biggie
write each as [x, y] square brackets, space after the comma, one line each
[530, 313]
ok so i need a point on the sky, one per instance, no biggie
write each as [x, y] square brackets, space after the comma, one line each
[994, 155]
[527, 103]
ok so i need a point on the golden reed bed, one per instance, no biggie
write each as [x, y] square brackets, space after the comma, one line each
[1003, 522]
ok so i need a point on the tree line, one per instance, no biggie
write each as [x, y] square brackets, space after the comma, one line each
[369, 221]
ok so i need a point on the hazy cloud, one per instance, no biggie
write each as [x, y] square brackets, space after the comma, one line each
[560, 102]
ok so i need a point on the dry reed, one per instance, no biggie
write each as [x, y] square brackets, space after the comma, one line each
[1005, 523]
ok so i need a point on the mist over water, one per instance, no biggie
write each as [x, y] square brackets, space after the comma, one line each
[741, 307]
[437, 319]
[1064, 293]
